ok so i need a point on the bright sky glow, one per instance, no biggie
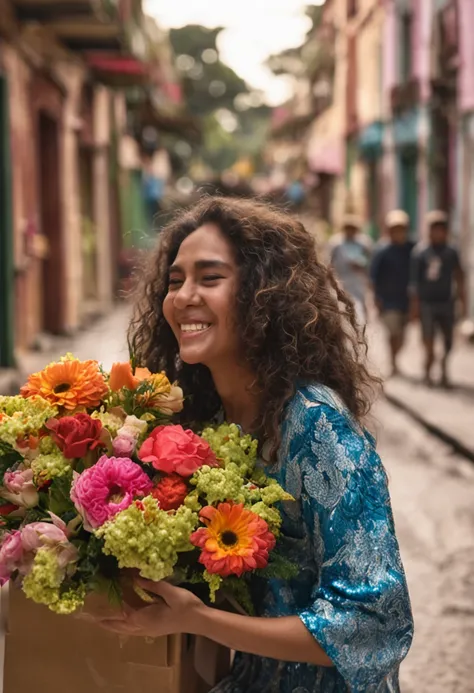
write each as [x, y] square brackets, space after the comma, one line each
[254, 29]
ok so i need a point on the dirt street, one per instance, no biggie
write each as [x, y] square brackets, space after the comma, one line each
[432, 494]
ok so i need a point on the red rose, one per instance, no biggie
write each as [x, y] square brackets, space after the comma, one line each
[170, 492]
[8, 508]
[75, 435]
[171, 449]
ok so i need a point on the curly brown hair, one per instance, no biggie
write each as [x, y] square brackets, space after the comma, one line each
[295, 322]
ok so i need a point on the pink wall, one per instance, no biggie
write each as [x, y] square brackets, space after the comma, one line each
[466, 72]
[422, 10]
[389, 57]
[422, 13]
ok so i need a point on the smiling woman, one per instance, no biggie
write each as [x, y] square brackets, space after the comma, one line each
[238, 307]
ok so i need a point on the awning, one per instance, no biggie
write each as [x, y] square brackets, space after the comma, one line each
[326, 157]
[119, 71]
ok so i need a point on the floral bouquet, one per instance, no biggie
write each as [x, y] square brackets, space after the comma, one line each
[95, 478]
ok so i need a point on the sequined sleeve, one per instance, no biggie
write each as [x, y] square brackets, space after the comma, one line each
[360, 610]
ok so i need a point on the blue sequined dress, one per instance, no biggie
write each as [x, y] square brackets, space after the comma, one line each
[351, 591]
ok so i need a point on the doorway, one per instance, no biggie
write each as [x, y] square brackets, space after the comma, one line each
[53, 300]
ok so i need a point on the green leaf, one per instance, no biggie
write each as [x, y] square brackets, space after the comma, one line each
[35, 515]
[278, 567]
[59, 495]
[114, 593]
[240, 591]
[9, 457]
[93, 565]
[109, 587]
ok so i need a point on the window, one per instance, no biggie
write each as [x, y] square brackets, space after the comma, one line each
[406, 30]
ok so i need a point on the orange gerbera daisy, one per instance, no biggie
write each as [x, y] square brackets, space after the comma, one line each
[234, 541]
[70, 384]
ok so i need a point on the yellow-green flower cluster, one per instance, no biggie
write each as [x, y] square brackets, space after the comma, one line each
[46, 467]
[112, 422]
[23, 416]
[192, 501]
[144, 537]
[230, 445]
[238, 479]
[68, 357]
[47, 446]
[271, 516]
[214, 581]
[273, 493]
[69, 601]
[44, 580]
[220, 484]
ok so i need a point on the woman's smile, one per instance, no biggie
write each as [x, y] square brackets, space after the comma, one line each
[193, 330]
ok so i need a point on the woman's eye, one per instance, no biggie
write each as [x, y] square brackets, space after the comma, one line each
[211, 278]
[174, 282]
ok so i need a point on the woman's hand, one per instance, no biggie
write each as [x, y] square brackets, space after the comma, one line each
[176, 611]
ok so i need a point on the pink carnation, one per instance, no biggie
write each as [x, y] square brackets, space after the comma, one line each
[174, 450]
[108, 487]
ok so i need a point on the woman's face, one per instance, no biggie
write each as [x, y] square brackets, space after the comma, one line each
[200, 301]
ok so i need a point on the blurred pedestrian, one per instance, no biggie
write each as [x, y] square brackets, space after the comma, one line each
[437, 281]
[390, 274]
[153, 188]
[350, 253]
[296, 194]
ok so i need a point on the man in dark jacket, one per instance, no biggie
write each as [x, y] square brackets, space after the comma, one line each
[437, 283]
[390, 275]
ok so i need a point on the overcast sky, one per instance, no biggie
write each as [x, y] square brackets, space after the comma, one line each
[254, 29]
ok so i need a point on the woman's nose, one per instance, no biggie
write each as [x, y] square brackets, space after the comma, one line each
[187, 295]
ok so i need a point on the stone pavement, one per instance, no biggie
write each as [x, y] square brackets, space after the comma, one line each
[432, 489]
[446, 413]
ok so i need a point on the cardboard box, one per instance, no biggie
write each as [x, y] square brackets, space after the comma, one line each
[47, 653]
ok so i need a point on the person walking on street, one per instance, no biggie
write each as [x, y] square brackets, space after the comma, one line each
[350, 253]
[437, 284]
[390, 275]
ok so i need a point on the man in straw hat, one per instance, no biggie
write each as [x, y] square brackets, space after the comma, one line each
[437, 284]
[390, 274]
[350, 253]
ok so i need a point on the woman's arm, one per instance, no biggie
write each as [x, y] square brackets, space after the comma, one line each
[285, 638]
[180, 611]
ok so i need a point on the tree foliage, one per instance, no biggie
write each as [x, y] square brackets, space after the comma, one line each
[193, 40]
[211, 86]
